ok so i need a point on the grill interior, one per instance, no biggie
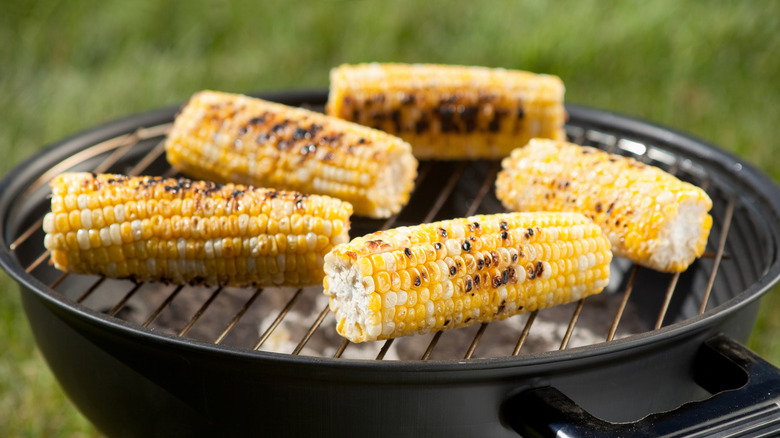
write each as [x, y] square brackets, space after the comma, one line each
[297, 321]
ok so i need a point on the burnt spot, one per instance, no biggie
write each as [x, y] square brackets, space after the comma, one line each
[598, 207]
[476, 281]
[328, 157]
[376, 244]
[501, 307]
[395, 116]
[514, 257]
[610, 208]
[458, 264]
[309, 149]
[446, 322]
[242, 130]
[531, 270]
[408, 252]
[530, 231]
[494, 256]
[504, 235]
[417, 281]
[271, 194]
[503, 225]
[487, 261]
[299, 200]
[466, 246]
[362, 140]
[424, 276]
[468, 114]
[300, 134]
[476, 225]
[330, 138]
[279, 126]
[442, 232]
[408, 99]
[520, 113]
[453, 270]
[512, 274]
[236, 193]
[467, 320]
[262, 138]
[480, 263]
[496, 282]
[258, 120]
[505, 276]
[539, 269]
[437, 246]
[469, 284]
[283, 145]
[421, 126]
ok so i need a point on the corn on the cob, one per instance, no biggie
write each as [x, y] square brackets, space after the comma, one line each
[183, 231]
[450, 112]
[650, 216]
[458, 272]
[239, 139]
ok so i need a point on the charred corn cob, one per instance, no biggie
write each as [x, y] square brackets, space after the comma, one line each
[234, 138]
[650, 216]
[450, 112]
[183, 231]
[458, 272]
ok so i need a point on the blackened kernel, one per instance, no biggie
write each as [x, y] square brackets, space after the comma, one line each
[539, 270]
[495, 257]
[476, 280]
[487, 262]
[514, 257]
[424, 275]
[531, 231]
[262, 138]
[417, 281]
[437, 245]
[504, 235]
[453, 270]
[242, 130]
[512, 274]
[466, 246]
[308, 149]
[442, 232]
[480, 263]
[531, 272]
[469, 284]
[408, 252]
[598, 207]
[476, 225]
[496, 282]
[504, 225]
[458, 264]
[505, 276]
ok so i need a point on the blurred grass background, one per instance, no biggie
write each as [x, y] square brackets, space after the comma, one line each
[706, 68]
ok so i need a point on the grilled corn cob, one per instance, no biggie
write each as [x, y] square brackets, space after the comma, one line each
[183, 231]
[234, 138]
[458, 272]
[650, 216]
[450, 112]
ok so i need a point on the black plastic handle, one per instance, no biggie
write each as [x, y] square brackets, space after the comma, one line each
[746, 392]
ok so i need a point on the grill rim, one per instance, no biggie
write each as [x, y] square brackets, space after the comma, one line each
[765, 193]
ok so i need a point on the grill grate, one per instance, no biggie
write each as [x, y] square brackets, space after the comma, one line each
[273, 318]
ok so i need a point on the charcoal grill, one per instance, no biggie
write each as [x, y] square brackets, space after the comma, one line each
[151, 359]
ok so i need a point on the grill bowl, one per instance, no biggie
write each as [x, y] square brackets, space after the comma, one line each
[131, 379]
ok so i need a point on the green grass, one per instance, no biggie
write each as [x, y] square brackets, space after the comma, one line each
[705, 68]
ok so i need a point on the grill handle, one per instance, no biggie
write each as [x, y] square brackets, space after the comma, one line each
[746, 391]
